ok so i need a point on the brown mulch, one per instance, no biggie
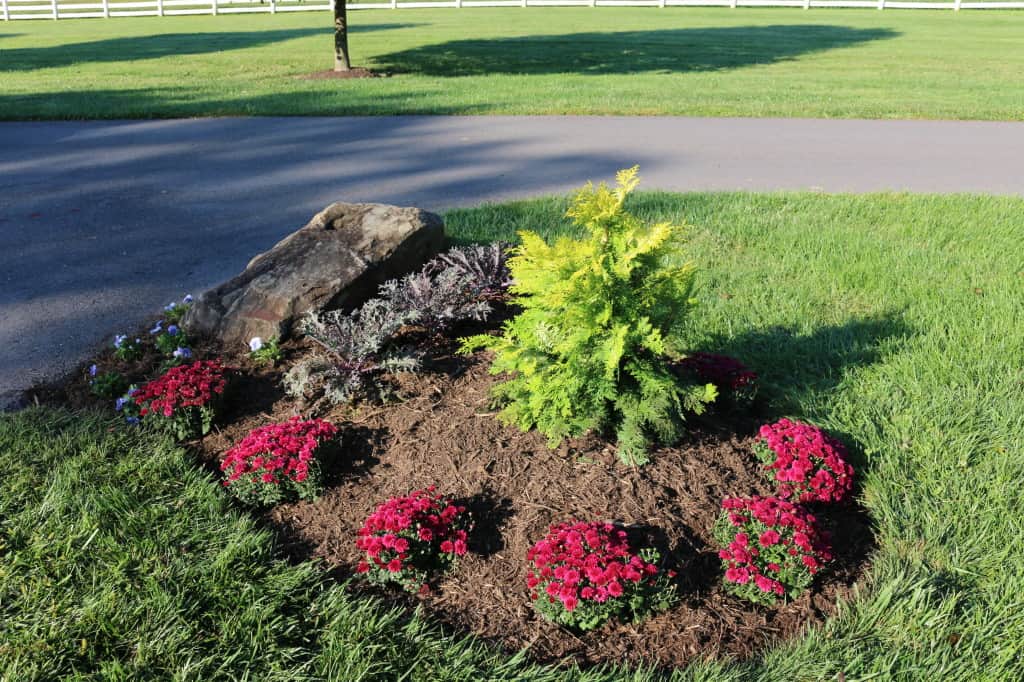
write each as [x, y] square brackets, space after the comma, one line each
[354, 72]
[443, 431]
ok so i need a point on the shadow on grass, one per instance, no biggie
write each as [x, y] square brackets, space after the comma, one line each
[793, 365]
[341, 98]
[670, 51]
[796, 370]
[162, 45]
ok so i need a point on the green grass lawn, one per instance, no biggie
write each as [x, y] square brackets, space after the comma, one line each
[686, 61]
[893, 320]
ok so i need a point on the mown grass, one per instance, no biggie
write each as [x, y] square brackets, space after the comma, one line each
[685, 61]
[893, 320]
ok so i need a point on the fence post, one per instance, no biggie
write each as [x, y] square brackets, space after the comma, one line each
[458, 4]
[661, 3]
[732, 4]
[394, 4]
[273, 6]
[956, 6]
[159, 8]
[56, 12]
[106, 9]
[3, 7]
[213, 7]
[881, 4]
[807, 4]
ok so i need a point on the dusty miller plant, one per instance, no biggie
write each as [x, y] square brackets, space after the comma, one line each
[356, 352]
[600, 318]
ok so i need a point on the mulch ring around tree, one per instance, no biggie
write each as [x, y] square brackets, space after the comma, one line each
[354, 72]
[442, 430]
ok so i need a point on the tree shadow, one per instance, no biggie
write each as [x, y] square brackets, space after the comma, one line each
[670, 51]
[162, 45]
[799, 370]
[795, 366]
[184, 102]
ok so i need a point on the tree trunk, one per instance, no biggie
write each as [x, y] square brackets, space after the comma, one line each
[341, 60]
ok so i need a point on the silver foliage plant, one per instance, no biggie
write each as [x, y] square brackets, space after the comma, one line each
[356, 352]
[454, 286]
[357, 337]
[486, 265]
[357, 347]
[436, 302]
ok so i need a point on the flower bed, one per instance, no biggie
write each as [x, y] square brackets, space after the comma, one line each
[415, 413]
[439, 433]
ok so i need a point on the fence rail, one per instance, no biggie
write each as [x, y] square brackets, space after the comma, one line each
[11, 10]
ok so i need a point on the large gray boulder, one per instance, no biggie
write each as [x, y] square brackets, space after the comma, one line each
[336, 261]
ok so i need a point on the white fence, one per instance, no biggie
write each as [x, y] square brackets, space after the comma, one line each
[75, 9]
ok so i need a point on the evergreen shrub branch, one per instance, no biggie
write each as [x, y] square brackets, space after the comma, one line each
[601, 318]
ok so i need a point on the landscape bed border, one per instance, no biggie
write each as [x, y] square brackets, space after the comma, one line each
[840, 584]
[636, 256]
[15, 10]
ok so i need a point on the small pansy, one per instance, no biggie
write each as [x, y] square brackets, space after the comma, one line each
[255, 343]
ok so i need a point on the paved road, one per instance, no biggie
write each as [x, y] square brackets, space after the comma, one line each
[103, 222]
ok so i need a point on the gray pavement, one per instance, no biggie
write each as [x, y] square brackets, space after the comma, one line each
[101, 223]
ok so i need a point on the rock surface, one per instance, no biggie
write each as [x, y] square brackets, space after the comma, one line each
[336, 261]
